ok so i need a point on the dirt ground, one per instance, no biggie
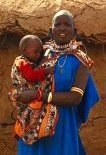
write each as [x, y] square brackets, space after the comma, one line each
[93, 132]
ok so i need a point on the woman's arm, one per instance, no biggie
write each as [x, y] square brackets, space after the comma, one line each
[73, 97]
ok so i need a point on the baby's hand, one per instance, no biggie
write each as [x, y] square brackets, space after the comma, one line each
[43, 61]
[49, 70]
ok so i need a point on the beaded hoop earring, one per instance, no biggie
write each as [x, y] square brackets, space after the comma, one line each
[50, 33]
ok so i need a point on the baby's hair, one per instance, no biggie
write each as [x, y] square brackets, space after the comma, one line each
[25, 40]
[63, 12]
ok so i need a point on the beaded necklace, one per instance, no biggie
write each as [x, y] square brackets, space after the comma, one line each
[73, 48]
[61, 49]
[60, 66]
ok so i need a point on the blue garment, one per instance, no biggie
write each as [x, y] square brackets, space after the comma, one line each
[66, 140]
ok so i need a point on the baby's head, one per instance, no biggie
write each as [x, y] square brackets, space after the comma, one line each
[31, 47]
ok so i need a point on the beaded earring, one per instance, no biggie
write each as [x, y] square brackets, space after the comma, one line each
[50, 33]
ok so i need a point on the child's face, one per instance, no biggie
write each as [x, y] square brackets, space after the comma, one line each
[34, 50]
[63, 29]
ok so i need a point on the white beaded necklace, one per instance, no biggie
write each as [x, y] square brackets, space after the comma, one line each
[61, 47]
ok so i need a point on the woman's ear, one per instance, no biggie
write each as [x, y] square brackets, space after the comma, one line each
[75, 33]
[48, 36]
[50, 30]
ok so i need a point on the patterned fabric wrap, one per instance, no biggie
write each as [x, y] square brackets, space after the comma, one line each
[32, 123]
[53, 52]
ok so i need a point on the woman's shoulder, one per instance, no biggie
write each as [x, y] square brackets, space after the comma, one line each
[84, 58]
[79, 50]
[76, 49]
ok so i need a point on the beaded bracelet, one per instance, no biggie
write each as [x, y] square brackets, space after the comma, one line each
[77, 90]
[40, 95]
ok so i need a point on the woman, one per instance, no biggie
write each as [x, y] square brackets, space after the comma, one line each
[74, 92]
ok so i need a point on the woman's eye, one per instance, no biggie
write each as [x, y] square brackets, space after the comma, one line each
[65, 24]
[68, 24]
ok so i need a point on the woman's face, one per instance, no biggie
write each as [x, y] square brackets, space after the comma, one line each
[63, 29]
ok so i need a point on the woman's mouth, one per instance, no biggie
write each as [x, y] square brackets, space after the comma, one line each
[62, 35]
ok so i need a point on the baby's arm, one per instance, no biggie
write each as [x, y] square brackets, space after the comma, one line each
[15, 95]
[34, 75]
[30, 74]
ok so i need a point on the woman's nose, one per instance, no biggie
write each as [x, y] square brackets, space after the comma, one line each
[62, 27]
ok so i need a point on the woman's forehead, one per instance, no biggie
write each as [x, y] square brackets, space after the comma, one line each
[63, 15]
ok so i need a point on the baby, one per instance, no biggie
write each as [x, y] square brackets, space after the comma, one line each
[27, 74]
